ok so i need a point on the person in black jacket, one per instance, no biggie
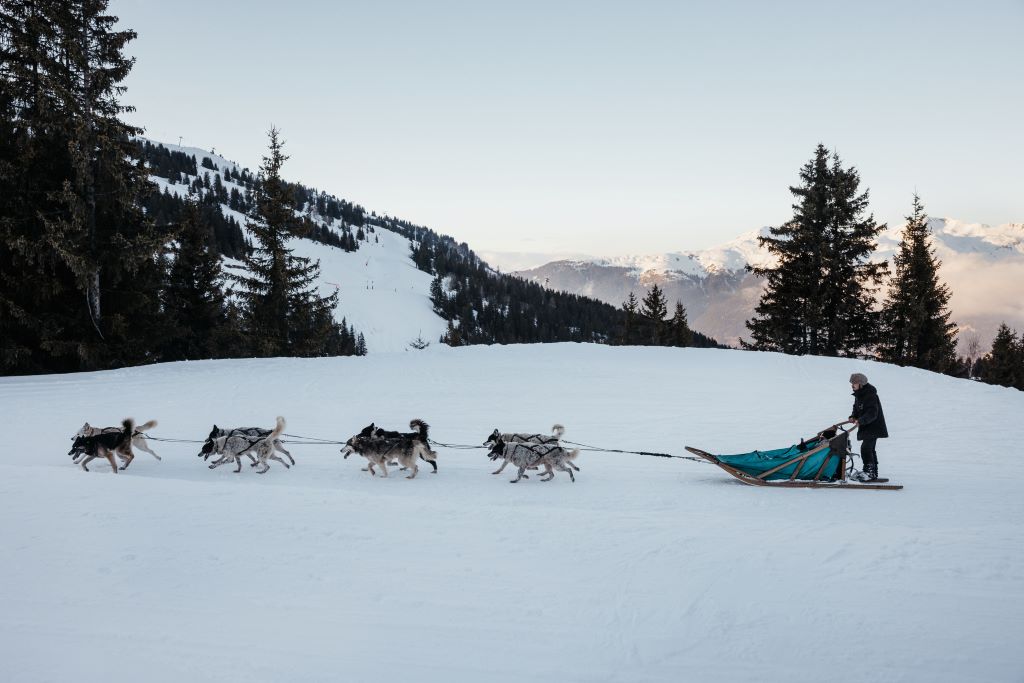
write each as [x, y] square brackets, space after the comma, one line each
[870, 420]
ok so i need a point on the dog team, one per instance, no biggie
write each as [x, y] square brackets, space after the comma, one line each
[380, 447]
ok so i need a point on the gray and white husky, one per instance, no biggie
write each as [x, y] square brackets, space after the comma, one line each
[231, 447]
[550, 456]
[522, 437]
[207, 450]
[380, 450]
[138, 437]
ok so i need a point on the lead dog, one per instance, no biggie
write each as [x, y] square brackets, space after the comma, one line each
[104, 445]
[554, 438]
[233, 446]
[524, 455]
[138, 438]
[380, 450]
[215, 432]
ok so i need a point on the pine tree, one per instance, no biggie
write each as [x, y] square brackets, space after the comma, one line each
[283, 313]
[79, 260]
[654, 309]
[1004, 364]
[437, 296]
[631, 307]
[916, 329]
[681, 334]
[194, 297]
[818, 298]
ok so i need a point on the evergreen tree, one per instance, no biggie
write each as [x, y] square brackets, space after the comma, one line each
[79, 261]
[654, 309]
[437, 295]
[194, 298]
[282, 312]
[631, 307]
[916, 329]
[1004, 364]
[818, 298]
[681, 334]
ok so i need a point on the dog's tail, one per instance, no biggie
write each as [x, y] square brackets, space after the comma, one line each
[146, 426]
[572, 454]
[129, 427]
[421, 427]
[278, 429]
[557, 431]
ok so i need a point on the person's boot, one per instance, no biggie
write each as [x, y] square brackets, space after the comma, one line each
[870, 473]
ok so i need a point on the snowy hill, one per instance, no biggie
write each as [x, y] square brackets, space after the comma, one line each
[645, 569]
[984, 266]
[381, 291]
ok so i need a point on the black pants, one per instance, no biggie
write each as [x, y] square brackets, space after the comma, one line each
[867, 452]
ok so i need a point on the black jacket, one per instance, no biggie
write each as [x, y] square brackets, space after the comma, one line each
[868, 411]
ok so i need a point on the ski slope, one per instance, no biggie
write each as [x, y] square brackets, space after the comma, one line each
[645, 569]
[380, 290]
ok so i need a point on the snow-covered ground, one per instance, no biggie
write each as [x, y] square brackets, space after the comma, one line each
[645, 569]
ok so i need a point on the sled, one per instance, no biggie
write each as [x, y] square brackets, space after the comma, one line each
[822, 462]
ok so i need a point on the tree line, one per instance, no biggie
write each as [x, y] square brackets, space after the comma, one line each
[823, 295]
[88, 279]
[647, 323]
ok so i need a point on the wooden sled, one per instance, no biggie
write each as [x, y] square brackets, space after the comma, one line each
[799, 460]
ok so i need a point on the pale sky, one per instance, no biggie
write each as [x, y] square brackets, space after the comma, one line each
[596, 127]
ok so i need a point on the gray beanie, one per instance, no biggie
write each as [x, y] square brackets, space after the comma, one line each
[858, 378]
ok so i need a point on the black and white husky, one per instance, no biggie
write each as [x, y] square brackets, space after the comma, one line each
[380, 450]
[208, 446]
[422, 433]
[138, 437]
[524, 455]
[231, 447]
[105, 444]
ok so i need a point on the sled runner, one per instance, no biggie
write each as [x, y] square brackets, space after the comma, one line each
[819, 462]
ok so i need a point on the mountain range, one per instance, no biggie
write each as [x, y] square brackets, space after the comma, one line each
[982, 264]
[386, 296]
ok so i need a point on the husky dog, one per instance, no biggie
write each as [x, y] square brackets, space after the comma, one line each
[138, 438]
[104, 445]
[556, 434]
[421, 434]
[380, 450]
[554, 438]
[524, 455]
[233, 446]
[208, 446]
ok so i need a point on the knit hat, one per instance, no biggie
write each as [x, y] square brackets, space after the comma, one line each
[857, 378]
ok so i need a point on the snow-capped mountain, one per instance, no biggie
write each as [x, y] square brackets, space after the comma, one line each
[391, 275]
[983, 265]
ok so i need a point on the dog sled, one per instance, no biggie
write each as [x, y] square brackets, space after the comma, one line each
[823, 461]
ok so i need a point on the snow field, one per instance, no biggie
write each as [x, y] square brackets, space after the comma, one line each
[645, 569]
